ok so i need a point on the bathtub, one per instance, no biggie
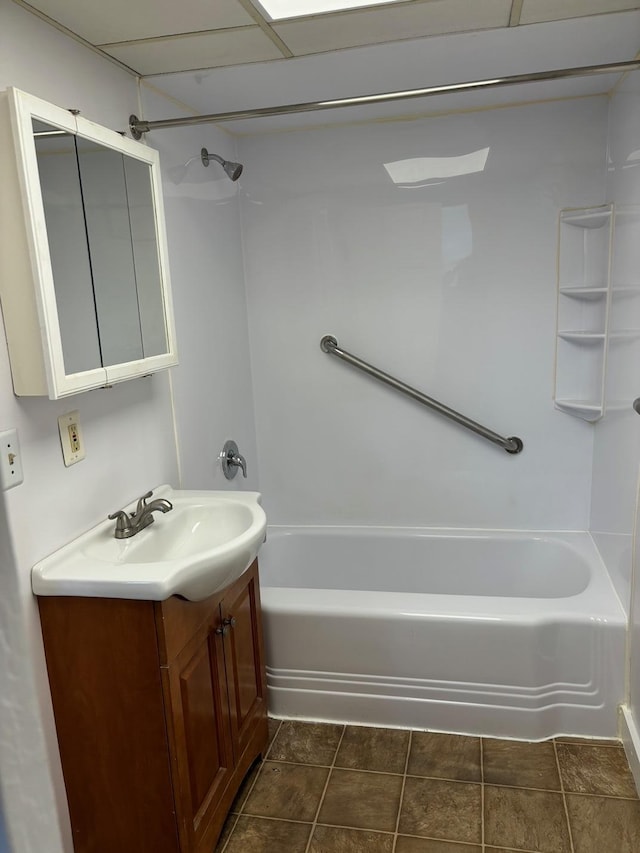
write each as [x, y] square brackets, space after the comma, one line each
[504, 634]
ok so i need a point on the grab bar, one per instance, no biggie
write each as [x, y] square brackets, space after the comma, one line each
[513, 444]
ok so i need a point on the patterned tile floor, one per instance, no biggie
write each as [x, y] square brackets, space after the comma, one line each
[345, 789]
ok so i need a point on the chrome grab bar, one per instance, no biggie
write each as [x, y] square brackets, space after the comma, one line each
[513, 444]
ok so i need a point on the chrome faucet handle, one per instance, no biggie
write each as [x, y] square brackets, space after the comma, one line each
[232, 459]
[142, 502]
[124, 527]
[240, 462]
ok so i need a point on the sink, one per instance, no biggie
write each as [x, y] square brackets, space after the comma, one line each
[196, 549]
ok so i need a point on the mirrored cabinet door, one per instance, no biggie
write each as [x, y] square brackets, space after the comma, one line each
[68, 247]
[92, 304]
[106, 211]
[146, 257]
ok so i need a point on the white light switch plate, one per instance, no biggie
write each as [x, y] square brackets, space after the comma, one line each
[71, 438]
[10, 459]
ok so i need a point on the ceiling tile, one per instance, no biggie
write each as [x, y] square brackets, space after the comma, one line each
[123, 20]
[373, 26]
[536, 11]
[206, 50]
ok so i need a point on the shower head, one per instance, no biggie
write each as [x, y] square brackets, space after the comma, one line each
[233, 170]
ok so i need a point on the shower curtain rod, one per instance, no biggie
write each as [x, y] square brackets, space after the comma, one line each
[139, 126]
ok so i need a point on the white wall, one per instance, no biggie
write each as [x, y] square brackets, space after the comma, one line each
[616, 456]
[616, 515]
[16, 695]
[129, 440]
[212, 384]
[450, 286]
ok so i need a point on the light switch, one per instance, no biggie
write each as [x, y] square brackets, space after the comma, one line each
[10, 459]
[71, 438]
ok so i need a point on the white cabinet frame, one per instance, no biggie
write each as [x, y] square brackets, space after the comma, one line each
[26, 276]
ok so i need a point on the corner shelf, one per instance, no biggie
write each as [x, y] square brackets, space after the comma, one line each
[585, 238]
[580, 408]
[587, 217]
[598, 310]
[582, 337]
[584, 292]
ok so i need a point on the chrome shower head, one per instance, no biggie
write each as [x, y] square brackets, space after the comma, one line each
[233, 170]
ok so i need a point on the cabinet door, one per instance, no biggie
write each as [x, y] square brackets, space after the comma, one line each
[244, 656]
[198, 721]
[102, 660]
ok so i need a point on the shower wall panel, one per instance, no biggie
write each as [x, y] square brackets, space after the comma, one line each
[212, 384]
[427, 247]
[617, 437]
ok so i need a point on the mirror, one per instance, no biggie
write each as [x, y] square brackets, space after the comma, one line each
[101, 227]
[69, 251]
[84, 268]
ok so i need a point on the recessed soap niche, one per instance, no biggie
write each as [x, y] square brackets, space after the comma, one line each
[598, 308]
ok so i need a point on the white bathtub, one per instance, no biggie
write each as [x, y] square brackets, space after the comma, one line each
[486, 632]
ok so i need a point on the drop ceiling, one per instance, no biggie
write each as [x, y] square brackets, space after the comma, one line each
[155, 38]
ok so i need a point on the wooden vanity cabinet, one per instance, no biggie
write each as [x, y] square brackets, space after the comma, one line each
[160, 710]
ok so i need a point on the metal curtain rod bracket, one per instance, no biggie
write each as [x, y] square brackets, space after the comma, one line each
[139, 126]
[512, 445]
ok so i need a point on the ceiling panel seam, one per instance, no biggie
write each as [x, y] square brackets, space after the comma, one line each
[266, 28]
[516, 13]
[177, 36]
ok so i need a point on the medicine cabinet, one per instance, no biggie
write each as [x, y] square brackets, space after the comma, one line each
[598, 316]
[84, 278]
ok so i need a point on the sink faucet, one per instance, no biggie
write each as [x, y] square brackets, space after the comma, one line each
[128, 525]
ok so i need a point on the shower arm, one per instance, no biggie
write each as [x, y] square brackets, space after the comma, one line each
[139, 126]
[512, 445]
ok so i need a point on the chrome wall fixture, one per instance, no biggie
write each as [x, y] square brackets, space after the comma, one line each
[512, 445]
[139, 126]
[233, 170]
[231, 459]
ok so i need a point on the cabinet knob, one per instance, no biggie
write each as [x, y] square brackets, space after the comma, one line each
[228, 622]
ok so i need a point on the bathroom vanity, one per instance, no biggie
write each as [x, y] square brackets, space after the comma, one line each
[160, 710]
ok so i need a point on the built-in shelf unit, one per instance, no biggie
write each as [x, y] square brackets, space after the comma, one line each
[585, 242]
[598, 315]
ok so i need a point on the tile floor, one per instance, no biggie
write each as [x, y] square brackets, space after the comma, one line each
[345, 789]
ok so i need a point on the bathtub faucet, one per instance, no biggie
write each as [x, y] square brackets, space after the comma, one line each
[231, 459]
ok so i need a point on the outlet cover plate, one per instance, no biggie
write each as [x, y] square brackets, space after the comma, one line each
[71, 438]
[10, 459]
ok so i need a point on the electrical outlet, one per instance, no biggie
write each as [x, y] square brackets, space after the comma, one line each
[10, 459]
[71, 438]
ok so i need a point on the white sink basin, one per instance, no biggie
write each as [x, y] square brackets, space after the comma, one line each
[203, 544]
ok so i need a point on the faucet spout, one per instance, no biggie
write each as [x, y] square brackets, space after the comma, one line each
[146, 514]
[128, 525]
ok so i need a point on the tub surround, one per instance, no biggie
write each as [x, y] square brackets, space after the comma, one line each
[434, 280]
[502, 634]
